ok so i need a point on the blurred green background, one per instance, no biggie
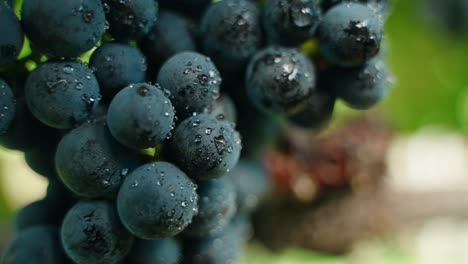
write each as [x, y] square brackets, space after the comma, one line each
[430, 89]
[430, 67]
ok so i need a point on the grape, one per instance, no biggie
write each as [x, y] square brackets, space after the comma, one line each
[67, 29]
[350, 34]
[38, 244]
[92, 233]
[140, 116]
[224, 108]
[169, 36]
[57, 191]
[452, 16]
[130, 19]
[26, 132]
[380, 5]
[7, 103]
[117, 66]
[224, 247]
[361, 87]
[216, 206]
[317, 113]
[259, 131]
[291, 22]
[91, 163]
[241, 227]
[41, 212]
[99, 114]
[251, 183]
[327, 4]
[204, 147]
[231, 33]
[193, 81]
[48, 211]
[193, 8]
[12, 38]
[157, 200]
[165, 251]
[279, 80]
[62, 94]
[41, 159]
[9, 2]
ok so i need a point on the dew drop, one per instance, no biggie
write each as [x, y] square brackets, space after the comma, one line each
[79, 86]
[68, 69]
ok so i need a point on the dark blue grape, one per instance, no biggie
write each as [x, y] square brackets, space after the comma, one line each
[57, 191]
[41, 159]
[12, 38]
[224, 247]
[193, 81]
[48, 211]
[192, 8]
[380, 5]
[205, 147]
[157, 200]
[130, 19]
[169, 36]
[62, 94]
[140, 116]
[279, 80]
[117, 66]
[67, 29]
[9, 2]
[231, 33]
[327, 4]
[291, 22]
[251, 183]
[38, 244]
[165, 251]
[361, 87]
[259, 131]
[216, 207]
[99, 113]
[241, 227]
[7, 107]
[37, 213]
[92, 233]
[25, 132]
[451, 16]
[350, 34]
[317, 112]
[91, 163]
[224, 108]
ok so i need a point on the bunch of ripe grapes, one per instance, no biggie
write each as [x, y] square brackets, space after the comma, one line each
[129, 109]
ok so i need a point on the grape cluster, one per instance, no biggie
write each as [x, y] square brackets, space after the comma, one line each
[138, 136]
[450, 17]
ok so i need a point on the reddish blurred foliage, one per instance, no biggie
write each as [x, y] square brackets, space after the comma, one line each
[353, 157]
